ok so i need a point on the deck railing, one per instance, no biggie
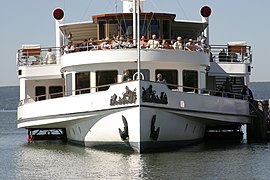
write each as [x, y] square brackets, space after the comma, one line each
[173, 87]
[35, 55]
[227, 53]
[38, 56]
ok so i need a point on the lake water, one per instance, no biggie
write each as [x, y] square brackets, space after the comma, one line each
[57, 160]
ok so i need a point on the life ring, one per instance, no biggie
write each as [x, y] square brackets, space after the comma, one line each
[134, 75]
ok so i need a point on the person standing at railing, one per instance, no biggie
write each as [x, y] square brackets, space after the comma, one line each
[50, 57]
[227, 88]
[247, 92]
[160, 78]
[126, 76]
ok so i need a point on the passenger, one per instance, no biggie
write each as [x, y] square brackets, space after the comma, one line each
[199, 47]
[190, 46]
[90, 44]
[222, 56]
[178, 43]
[122, 42]
[126, 76]
[83, 46]
[50, 57]
[143, 43]
[153, 43]
[227, 87]
[160, 79]
[106, 44]
[129, 43]
[204, 44]
[115, 43]
[71, 47]
[166, 44]
[247, 92]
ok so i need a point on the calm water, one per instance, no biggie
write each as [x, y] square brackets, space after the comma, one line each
[56, 160]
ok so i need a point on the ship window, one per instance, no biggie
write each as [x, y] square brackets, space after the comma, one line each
[155, 27]
[145, 73]
[171, 77]
[40, 93]
[102, 28]
[190, 80]
[166, 29]
[127, 28]
[104, 78]
[55, 91]
[113, 28]
[143, 28]
[82, 82]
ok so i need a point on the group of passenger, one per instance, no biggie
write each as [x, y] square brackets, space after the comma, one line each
[119, 42]
[126, 77]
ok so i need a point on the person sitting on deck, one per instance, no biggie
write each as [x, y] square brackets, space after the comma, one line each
[143, 43]
[178, 43]
[153, 43]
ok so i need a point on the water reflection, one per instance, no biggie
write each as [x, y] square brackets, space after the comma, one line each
[56, 160]
[47, 160]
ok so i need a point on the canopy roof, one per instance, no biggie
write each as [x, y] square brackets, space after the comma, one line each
[85, 30]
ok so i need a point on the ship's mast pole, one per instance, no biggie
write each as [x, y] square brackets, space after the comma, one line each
[138, 41]
[134, 22]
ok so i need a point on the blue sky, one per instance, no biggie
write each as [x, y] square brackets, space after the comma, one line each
[31, 21]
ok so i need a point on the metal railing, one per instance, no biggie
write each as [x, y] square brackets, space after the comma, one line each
[226, 53]
[38, 56]
[173, 87]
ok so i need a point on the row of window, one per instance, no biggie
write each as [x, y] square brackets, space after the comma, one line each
[190, 79]
[104, 78]
[126, 28]
[54, 92]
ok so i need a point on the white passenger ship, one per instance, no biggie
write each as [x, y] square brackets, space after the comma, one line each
[79, 87]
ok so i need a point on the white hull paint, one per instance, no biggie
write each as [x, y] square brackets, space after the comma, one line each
[104, 131]
[177, 122]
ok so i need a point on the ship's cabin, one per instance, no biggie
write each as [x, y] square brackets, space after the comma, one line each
[105, 28]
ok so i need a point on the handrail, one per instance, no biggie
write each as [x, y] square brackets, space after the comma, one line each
[37, 55]
[229, 53]
[177, 88]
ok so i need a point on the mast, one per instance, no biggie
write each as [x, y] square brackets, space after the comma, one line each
[138, 42]
[134, 22]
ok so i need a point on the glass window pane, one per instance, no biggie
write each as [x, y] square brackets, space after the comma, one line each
[40, 93]
[190, 80]
[145, 73]
[55, 91]
[82, 82]
[104, 78]
[170, 76]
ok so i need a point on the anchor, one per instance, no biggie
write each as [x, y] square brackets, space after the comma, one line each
[154, 133]
[124, 134]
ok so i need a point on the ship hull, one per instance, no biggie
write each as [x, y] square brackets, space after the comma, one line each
[147, 129]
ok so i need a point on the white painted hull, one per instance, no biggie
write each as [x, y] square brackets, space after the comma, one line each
[181, 120]
[174, 130]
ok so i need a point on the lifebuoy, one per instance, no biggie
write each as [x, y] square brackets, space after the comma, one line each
[134, 75]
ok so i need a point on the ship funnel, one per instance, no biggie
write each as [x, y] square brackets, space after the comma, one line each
[128, 6]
